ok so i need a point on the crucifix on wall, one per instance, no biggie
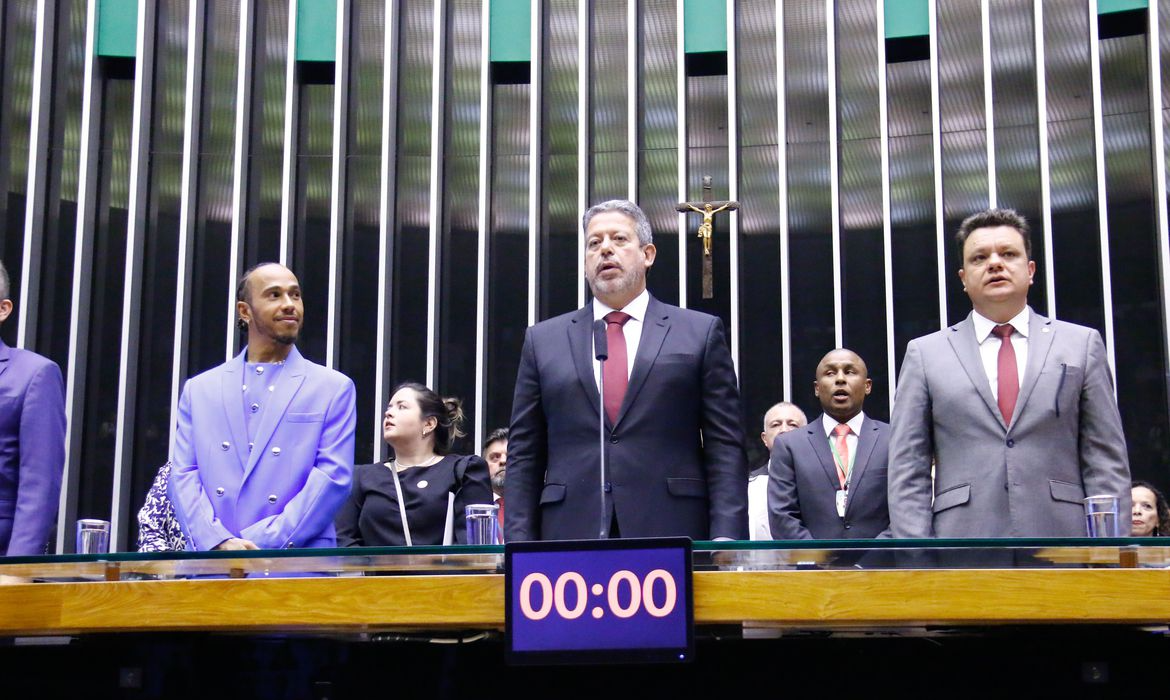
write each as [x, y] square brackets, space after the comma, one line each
[708, 209]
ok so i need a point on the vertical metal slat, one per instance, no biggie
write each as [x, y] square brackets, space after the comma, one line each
[834, 186]
[1042, 140]
[288, 173]
[887, 234]
[82, 262]
[337, 198]
[681, 85]
[733, 179]
[936, 146]
[482, 221]
[386, 204]
[1102, 198]
[782, 178]
[38, 150]
[534, 160]
[239, 164]
[135, 245]
[188, 201]
[435, 214]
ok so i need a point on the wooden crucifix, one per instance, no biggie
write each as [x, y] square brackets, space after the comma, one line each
[708, 209]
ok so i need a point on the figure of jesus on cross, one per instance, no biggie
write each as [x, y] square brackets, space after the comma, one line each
[708, 209]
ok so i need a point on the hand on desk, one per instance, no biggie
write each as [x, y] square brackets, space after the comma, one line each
[235, 544]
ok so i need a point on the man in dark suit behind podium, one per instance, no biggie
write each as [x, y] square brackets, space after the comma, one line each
[676, 459]
[827, 479]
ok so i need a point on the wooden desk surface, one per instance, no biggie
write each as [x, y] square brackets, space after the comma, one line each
[796, 599]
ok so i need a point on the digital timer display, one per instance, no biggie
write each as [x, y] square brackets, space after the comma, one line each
[597, 597]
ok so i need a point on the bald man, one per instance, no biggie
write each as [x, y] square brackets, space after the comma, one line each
[263, 452]
[780, 418]
[827, 480]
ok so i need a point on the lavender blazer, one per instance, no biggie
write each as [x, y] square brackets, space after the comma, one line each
[32, 449]
[285, 490]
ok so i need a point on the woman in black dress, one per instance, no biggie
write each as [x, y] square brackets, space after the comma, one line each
[420, 426]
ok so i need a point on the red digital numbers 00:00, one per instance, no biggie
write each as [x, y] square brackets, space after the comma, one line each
[641, 594]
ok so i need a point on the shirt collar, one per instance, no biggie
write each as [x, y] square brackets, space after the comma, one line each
[829, 423]
[984, 325]
[636, 308]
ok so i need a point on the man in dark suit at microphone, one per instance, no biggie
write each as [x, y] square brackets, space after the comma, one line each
[676, 464]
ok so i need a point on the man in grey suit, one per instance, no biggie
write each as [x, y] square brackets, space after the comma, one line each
[827, 480]
[1016, 409]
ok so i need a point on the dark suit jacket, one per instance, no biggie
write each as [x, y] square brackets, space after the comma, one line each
[676, 459]
[32, 449]
[803, 483]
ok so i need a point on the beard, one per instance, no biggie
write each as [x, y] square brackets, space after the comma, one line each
[627, 281]
[498, 481]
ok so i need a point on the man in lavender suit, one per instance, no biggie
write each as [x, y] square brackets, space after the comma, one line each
[263, 451]
[32, 443]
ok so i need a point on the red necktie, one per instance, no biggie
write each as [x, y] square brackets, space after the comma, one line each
[614, 377]
[1008, 381]
[842, 452]
[500, 515]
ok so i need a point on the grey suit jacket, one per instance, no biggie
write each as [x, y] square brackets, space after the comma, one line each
[803, 484]
[1065, 441]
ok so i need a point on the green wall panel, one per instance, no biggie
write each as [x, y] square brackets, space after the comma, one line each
[117, 28]
[511, 25]
[316, 30]
[907, 18]
[705, 26]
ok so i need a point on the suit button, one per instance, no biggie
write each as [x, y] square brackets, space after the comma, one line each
[225, 445]
[251, 445]
[272, 498]
[255, 407]
[259, 370]
[847, 526]
[608, 487]
[219, 491]
[613, 439]
[275, 451]
[1011, 442]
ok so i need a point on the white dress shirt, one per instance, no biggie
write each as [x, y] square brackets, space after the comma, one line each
[632, 330]
[758, 526]
[989, 346]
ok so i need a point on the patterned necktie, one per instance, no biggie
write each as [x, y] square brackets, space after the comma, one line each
[1008, 380]
[841, 431]
[614, 377]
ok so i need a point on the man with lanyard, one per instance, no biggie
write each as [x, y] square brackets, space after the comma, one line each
[827, 480]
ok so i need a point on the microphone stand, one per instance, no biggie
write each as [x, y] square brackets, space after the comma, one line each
[601, 352]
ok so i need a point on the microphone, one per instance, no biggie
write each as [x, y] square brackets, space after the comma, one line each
[601, 352]
[600, 341]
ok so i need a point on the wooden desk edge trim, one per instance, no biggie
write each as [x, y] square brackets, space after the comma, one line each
[781, 598]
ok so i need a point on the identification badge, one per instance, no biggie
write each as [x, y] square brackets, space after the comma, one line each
[842, 494]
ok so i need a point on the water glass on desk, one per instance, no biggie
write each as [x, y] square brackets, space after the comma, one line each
[93, 536]
[483, 526]
[1102, 517]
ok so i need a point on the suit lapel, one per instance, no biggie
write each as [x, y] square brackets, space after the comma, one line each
[5, 355]
[581, 347]
[232, 394]
[290, 381]
[962, 339]
[820, 447]
[865, 442]
[1040, 332]
[654, 329]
